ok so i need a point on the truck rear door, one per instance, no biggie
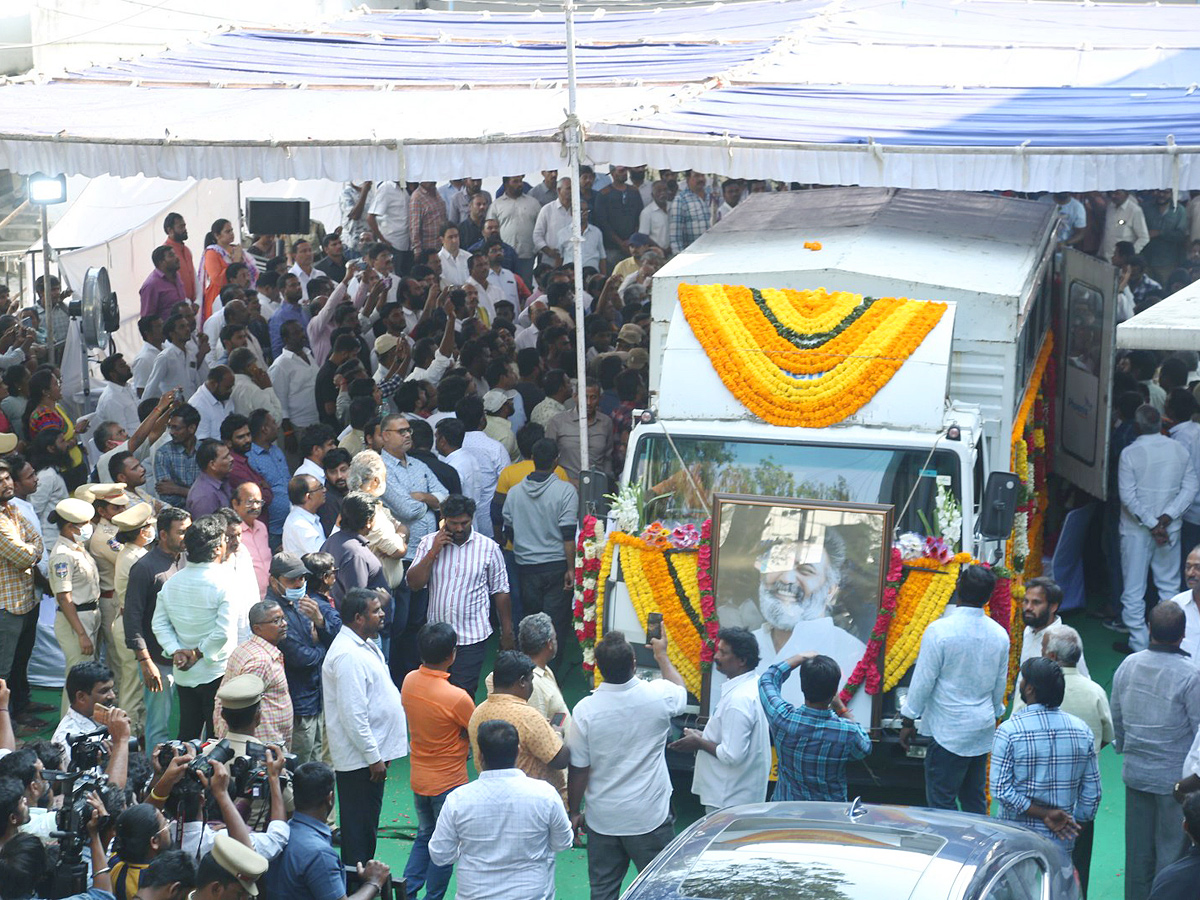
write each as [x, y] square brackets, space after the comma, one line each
[1085, 364]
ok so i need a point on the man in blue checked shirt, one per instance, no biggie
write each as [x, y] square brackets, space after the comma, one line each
[1044, 773]
[814, 741]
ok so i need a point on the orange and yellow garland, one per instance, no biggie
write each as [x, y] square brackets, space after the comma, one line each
[922, 599]
[806, 358]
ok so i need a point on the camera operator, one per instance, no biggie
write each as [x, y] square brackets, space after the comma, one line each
[14, 808]
[24, 862]
[172, 876]
[90, 684]
[25, 766]
[142, 833]
[180, 791]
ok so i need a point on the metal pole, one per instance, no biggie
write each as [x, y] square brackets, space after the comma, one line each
[46, 288]
[574, 151]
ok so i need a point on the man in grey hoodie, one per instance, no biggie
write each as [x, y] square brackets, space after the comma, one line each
[540, 515]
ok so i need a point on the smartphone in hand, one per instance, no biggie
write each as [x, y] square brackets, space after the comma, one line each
[654, 630]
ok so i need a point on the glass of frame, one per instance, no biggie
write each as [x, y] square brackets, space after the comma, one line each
[801, 575]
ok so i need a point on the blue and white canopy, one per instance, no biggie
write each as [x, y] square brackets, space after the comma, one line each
[945, 94]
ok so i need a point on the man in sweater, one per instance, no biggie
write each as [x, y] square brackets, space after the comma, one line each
[539, 518]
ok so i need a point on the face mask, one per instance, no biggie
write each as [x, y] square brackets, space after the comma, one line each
[153, 535]
[85, 533]
[294, 594]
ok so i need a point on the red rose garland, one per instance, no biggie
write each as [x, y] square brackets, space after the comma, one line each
[866, 673]
[708, 604]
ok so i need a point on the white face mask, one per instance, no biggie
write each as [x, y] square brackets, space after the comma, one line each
[85, 532]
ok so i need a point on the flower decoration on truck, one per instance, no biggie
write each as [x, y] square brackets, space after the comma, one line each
[805, 358]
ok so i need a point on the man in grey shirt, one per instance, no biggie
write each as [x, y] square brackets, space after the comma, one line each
[1156, 714]
[540, 514]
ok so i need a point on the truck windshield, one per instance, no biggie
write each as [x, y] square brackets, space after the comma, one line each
[805, 471]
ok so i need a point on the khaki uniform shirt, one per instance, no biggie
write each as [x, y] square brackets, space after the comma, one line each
[104, 549]
[130, 553]
[73, 569]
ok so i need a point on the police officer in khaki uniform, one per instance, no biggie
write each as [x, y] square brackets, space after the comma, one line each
[135, 532]
[108, 500]
[240, 696]
[75, 582]
[229, 863]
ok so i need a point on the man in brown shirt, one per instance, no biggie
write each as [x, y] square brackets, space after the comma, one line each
[541, 754]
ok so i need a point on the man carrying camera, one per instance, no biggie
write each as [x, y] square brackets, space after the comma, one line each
[90, 689]
[25, 867]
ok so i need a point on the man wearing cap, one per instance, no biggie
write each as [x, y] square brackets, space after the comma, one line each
[146, 578]
[75, 583]
[630, 336]
[195, 623]
[108, 500]
[312, 625]
[135, 532]
[229, 871]
[498, 406]
[367, 728]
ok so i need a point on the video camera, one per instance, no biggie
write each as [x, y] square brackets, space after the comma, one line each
[70, 875]
[249, 772]
[91, 751]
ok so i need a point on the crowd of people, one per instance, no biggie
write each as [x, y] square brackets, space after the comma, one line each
[330, 481]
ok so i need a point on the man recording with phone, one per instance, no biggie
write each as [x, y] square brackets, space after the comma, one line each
[91, 691]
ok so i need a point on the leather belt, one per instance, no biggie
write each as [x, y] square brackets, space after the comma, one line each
[87, 607]
[107, 595]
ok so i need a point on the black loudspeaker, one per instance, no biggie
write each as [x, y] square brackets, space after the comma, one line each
[999, 506]
[277, 216]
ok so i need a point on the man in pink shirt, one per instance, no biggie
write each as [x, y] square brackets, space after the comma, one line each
[163, 289]
[248, 504]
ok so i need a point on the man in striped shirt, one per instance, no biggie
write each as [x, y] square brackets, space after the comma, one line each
[465, 573]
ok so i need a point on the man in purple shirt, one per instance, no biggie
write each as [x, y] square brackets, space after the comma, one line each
[210, 491]
[163, 288]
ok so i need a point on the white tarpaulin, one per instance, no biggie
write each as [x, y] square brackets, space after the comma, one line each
[1172, 323]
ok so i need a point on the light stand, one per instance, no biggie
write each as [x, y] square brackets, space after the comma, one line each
[44, 191]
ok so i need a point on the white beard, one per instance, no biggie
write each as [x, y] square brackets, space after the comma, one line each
[784, 615]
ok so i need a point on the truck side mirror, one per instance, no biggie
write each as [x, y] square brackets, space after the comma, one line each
[999, 506]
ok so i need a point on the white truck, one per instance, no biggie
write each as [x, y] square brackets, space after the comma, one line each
[944, 417]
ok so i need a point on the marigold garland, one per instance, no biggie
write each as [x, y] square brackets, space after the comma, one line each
[760, 341]
[588, 576]
[708, 603]
[927, 596]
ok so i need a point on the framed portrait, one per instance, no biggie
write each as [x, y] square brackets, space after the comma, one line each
[801, 575]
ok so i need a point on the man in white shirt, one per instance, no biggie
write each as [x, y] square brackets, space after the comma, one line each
[1190, 601]
[364, 720]
[656, 217]
[455, 260]
[550, 222]
[181, 363]
[517, 214]
[447, 441]
[388, 221]
[151, 330]
[212, 401]
[1039, 610]
[302, 530]
[733, 753]
[294, 377]
[592, 248]
[515, 860]
[1157, 484]
[302, 268]
[1124, 221]
[118, 401]
[488, 290]
[957, 691]
[618, 765]
[252, 387]
[1072, 219]
[503, 278]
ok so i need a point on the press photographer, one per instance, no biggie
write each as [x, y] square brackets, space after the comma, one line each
[240, 705]
[82, 734]
[26, 871]
[195, 789]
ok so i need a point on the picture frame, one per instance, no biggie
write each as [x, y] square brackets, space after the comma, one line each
[801, 575]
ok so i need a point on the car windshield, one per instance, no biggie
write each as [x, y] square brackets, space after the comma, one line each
[804, 471]
[761, 859]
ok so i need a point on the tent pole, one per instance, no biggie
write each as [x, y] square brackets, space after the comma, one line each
[46, 310]
[574, 151]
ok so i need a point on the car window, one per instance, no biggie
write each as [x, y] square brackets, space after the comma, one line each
[1023, 880]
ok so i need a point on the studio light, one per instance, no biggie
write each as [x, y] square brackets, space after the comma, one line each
[47, 190]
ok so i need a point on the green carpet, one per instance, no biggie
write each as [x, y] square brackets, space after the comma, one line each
[399, 821]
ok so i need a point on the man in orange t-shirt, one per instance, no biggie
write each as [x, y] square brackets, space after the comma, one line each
[438, 713]
[176, 231]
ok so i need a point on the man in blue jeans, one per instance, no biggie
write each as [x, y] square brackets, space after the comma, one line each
[309, 867]
[957, 691]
